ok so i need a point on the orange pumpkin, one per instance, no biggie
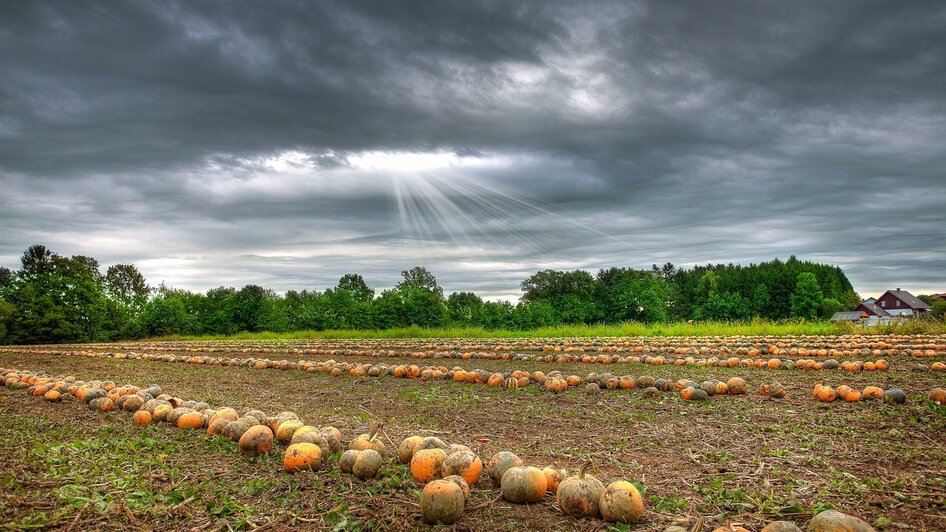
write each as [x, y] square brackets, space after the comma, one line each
[523, 484]
[498, 465]
[843, 390]
[736, 386]
[442, 501]
[302, 457]
[369, 441]
[826, 394]
[286, 429]
[142, 418]
[406, 450]
[872, 392]
[256, 441]
[553, 477]
[621, 503]
[426, 464]
[938, 395]
[52, 396]
[464, 464]
[191, 420]
[579, 496]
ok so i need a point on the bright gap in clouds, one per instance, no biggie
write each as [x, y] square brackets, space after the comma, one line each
[400, 161]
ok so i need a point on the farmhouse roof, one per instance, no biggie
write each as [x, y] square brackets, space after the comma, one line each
[874, 308]
[853, 315]
[908, 298]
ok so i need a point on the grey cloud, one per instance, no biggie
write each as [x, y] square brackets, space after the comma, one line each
[623, 134]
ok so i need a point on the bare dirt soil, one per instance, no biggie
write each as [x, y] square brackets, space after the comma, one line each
[743, 459]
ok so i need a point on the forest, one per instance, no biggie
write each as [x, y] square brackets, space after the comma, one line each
[53, 298]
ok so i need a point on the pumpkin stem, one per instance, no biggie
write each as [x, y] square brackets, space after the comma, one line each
[581, 472]
[374, 432]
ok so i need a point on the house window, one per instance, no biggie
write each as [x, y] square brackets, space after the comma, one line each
[898, 302]
[883, 303]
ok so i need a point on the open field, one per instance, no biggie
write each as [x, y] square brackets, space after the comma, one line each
[745, 459]
[756, 327]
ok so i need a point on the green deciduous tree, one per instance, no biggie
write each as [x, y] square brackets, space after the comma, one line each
[355, 285]
[6, 310]
[807, 297]
[464, 308]
[420, 278]
[571, 294]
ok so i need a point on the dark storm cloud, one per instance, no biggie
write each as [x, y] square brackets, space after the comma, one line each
[288, 143]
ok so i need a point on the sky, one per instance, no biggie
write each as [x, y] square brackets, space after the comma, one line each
[288, 143]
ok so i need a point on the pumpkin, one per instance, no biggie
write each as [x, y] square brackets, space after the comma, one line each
[234, 430]
[307, 434]
[895, 396]
[367, 464]
[176, 414]
[781, 526]
[369, 441]
[872, 392]
[346, 462]
[592, 388]
[523, 484]
[426, 464]
[142, 418]
[938, 395]
[498, 465]
[256, 441]
[406, 450]
[104, 404]
[302, 457]
[464, 464]
[458, 480]
[553, 477]
[776, 391]
[456, 447]
[332, 437]
[578, 496]
[161, 412]
[258, 414]
[442, 501]
[191, 420]
[843, 390]
[834, 521]
[215, 426]
[646, 381]
[651, 393]
[132, 403]
[825, 394]
[52, 396]
[431, 442]
[852, 396]
[621, 503]
[286, 429]
[736, 386]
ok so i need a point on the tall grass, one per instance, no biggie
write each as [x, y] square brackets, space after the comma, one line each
[755, 327]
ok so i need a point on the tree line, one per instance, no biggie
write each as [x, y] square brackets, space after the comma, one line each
[53, 298]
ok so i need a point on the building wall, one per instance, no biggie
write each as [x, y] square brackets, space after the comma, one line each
[893, 305]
